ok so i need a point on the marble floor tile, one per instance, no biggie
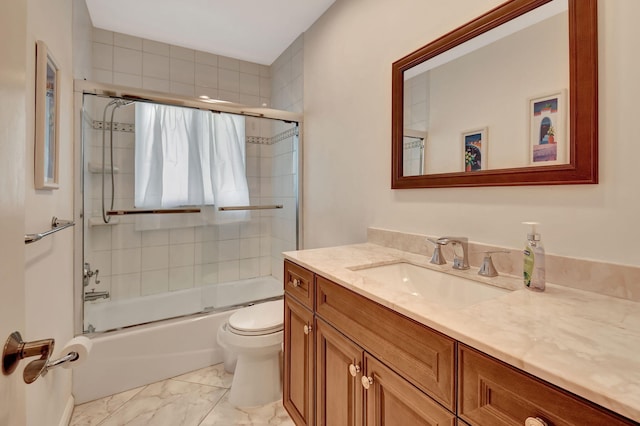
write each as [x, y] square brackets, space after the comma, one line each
[93, 412]
[170, 403]
[226, 414]
[211, 376]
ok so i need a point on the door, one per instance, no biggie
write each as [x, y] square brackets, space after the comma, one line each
[298, 362]
[391, 400]
[338, 373]
[13, 24]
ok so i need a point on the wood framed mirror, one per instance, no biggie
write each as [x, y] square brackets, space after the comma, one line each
[530, 120]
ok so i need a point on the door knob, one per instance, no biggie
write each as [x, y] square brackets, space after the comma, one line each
[366, 382]
[307, 329]
[354, 369]
[295, 283]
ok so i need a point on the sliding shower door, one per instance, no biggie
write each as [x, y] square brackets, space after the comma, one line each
[144, 263]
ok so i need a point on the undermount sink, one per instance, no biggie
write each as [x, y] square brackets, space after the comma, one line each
[435, 286]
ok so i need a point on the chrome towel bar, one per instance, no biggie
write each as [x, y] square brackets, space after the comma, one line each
[151, 211]
[56, 225]
[271, 207]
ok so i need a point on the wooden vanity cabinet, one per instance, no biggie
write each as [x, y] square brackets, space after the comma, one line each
[298, 377]
[493, 393]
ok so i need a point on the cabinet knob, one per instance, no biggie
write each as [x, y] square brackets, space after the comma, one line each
[354, 369]
[534, 421]
[366, 382]
[295, 283]
[307, 329]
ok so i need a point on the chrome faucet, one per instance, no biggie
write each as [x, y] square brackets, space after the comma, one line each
[458, 262]
[88, 273]
[92, 295]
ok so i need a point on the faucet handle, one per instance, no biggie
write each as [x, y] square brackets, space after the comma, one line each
[487, 269]
[437, 258]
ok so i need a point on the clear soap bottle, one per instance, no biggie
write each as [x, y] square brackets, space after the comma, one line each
[534, 267]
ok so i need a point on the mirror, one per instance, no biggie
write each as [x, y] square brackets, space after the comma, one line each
[509, 98]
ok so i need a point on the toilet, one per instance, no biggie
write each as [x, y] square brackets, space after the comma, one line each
[254, 334]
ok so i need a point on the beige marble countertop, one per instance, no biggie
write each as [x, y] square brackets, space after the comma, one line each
[584, 342]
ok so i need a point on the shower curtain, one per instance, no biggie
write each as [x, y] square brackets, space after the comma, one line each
[189, 157]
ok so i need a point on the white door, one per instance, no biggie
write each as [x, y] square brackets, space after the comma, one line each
[13, 30]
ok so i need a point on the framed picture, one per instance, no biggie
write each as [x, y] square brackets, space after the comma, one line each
[47, 120]
[474, 143]
[548, 138]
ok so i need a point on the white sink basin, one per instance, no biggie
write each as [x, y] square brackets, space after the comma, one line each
[437, 287]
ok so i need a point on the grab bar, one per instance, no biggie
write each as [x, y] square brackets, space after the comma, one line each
[229, 208]
[151, 211]
[56, 225]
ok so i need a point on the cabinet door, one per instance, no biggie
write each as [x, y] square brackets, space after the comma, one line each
[298, 362]
[391, 400]
[338, 373]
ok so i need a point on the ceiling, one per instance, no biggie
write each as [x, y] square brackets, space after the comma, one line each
[251, 30]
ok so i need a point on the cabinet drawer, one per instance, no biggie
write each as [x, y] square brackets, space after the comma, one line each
[421, 355]
[493, 393]
[298, 282]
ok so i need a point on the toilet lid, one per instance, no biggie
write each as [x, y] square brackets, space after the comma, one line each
[262, 318]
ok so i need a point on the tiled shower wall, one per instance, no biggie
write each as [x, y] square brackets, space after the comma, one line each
[137, 263]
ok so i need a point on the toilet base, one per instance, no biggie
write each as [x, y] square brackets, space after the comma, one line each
[257, 379]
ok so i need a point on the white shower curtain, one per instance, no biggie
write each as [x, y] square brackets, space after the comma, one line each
[189, 157]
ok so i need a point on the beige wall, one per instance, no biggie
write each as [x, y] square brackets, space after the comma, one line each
[49, 263]
[347, 103]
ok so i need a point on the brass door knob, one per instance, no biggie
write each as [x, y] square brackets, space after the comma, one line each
[354, 369]
[307, 329]
[534, 421]
[366, 382]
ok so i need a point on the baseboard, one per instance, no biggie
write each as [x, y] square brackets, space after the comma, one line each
[68, 411]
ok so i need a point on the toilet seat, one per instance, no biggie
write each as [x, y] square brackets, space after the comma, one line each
[258, 320]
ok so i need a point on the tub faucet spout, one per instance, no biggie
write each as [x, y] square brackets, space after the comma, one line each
[92, 295]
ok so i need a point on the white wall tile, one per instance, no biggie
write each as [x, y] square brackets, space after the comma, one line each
[125, 236]
[207, 91]
[181, 278]
[181, 71]
[182, 53]
[102, 36]
[250, 100]
[127, 61]
[249, 247]
[265, 266]
[228, 250]
[126, 261]
[249, 68]
[229, 231]
[228, 271]
[225, 95]
[102, 76]
[153, 282]
[249, 268]
[227, 63]
[125, 286]
[205, 252]
[206, 58]
[156, 66]
[182, 235]
[181, 255]
[155, 47]
[100, 238]
[124, 40]
[158, 237]
[100, 260]
[206, 274]
[154, 258]
[206, 75]
[102, 56]
[206, 233]
[156, 84]
[128, 80]
[182, 88]
[228, 80]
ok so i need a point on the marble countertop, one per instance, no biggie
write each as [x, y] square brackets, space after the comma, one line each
[584, 342]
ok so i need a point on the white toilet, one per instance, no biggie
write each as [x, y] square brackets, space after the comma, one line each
[255, 335]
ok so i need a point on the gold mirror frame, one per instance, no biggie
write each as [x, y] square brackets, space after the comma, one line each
[583, 100]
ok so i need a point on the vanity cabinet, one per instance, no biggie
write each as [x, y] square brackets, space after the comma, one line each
[494, 393]
[298, 344]
[351, 361]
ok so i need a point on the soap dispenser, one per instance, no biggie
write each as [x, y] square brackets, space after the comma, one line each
[534, 268]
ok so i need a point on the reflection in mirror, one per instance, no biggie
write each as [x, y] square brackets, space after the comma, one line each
[497, 99]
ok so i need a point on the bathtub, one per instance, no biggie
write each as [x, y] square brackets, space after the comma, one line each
[136, 356]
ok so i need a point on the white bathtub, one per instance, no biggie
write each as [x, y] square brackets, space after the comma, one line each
[136, 356]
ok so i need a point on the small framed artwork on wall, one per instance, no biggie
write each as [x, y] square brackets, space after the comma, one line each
[47, 119]
[474, 143]
[547, 134]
